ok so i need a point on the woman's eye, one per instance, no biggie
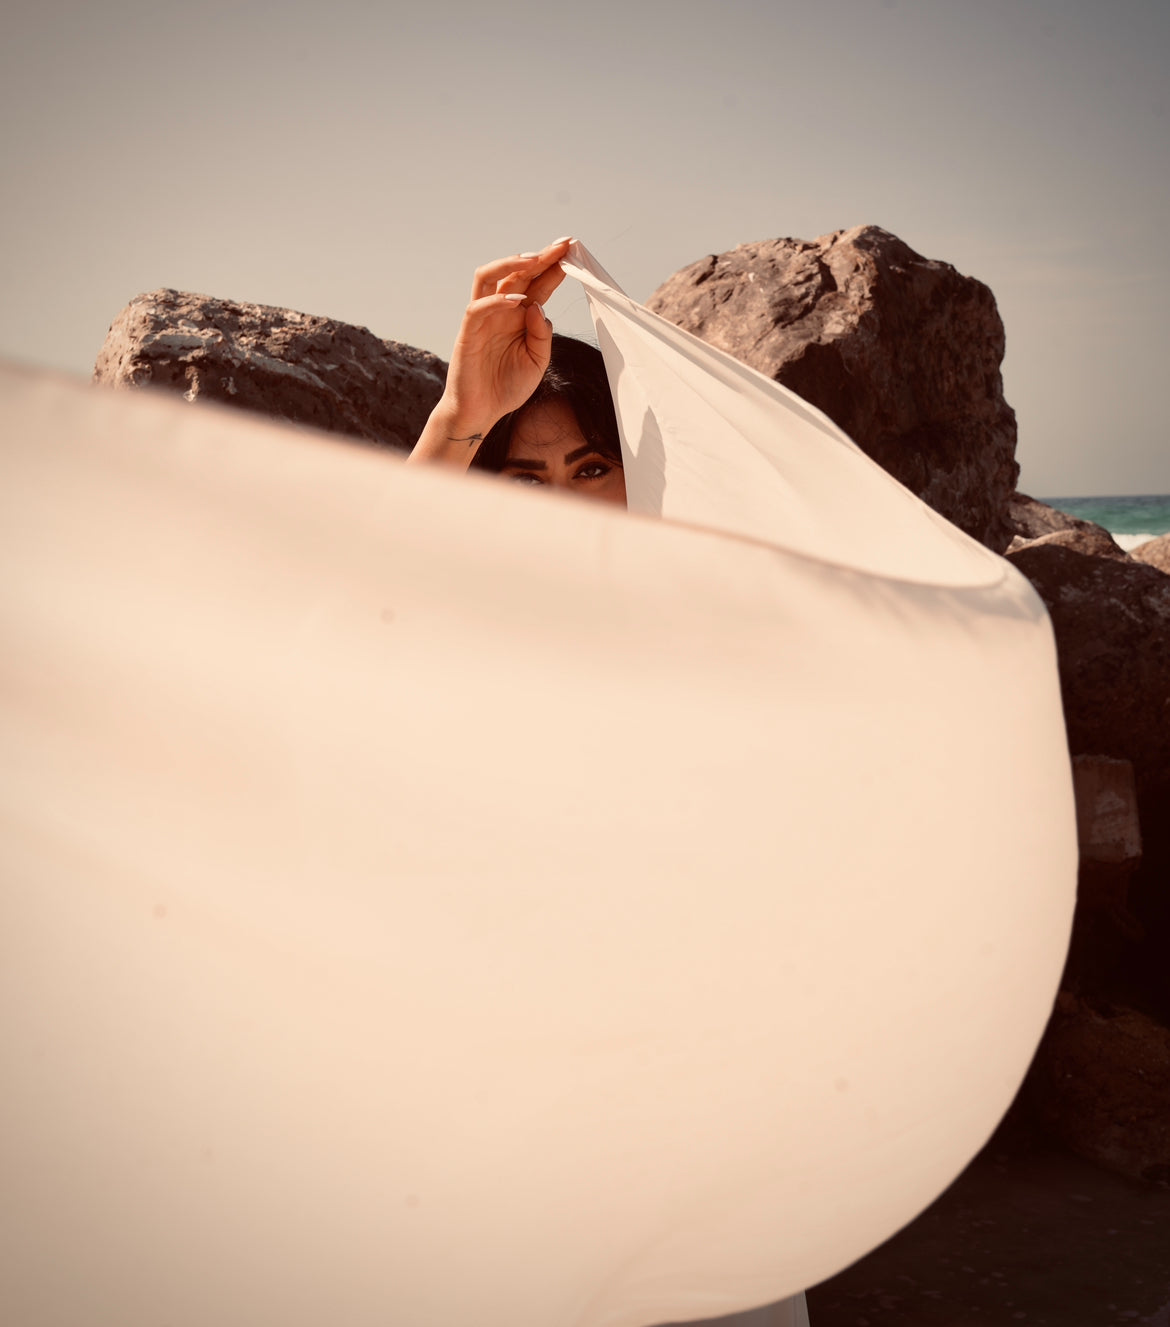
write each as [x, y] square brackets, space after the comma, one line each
[525, 477]
[594, 470]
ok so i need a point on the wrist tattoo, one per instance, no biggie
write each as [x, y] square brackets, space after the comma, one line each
[471, 439]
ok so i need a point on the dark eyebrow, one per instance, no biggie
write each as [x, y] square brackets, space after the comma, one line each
[515, 463]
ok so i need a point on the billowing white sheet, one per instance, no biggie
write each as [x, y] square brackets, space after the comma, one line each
[426, 902]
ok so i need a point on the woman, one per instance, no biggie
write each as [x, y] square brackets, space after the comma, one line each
[519, 400]
[524, 402]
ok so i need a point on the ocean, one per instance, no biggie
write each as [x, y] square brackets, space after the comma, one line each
[1131, 521]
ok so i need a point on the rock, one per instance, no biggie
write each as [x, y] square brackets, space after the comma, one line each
[902, 352]
[1101, 1084]
[1109, 839]
[1093, 540]
[1032, 519]
[293, 366]
[1154, 553]
[1107, 815]
[1111, 617]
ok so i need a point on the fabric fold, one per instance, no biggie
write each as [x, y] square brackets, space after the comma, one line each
[429, 902]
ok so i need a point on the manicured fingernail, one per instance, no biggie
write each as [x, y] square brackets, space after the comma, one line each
[516, 298]
[562, 239]
[529, 255]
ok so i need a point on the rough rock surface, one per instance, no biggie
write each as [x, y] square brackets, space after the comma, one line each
[1111, 616]
[293, 366]
[1101, 1083]
[1154, 553]
[902, 352]
[1032, 519]
[1107, 816]
[1092, 540]
[1110, 843]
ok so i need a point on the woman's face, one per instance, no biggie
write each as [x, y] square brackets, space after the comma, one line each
[548, 447]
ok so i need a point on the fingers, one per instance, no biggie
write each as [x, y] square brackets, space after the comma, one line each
[503, 347]
[521, 266]
[490, 275]
[539, 332]
[488, 306]
[495, 326]
[509, 315]
[544, 285]
[517, 272]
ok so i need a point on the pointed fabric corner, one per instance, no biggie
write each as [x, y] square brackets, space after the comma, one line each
[709, 441]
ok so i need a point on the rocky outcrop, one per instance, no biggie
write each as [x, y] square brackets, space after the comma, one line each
[1108, 831]
[1087, 538]
[1111, 617]
[1101, 1084]
[1154, 553]
[1110, 842]
[902, 352]
[292, 366]
[1032, 519]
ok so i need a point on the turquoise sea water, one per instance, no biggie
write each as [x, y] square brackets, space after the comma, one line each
[1131, 521]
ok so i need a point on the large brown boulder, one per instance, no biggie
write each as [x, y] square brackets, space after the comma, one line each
[1101, 1083]
[902, 352]
[1032, 519]
[1111, 616]
[1091, 540]
[294, 366]
[1154, 552]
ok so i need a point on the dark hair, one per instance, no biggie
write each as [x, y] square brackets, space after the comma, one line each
[575, 375]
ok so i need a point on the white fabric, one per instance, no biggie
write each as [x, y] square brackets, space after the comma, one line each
[427, 902]
[711, 442]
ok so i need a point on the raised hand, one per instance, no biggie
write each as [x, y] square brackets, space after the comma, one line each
[500, 354]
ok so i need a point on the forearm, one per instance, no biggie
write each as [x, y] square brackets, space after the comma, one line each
[450, 437]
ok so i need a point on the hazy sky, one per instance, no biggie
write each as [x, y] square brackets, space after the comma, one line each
[359, 159]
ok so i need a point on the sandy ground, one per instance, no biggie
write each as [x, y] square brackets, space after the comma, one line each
[1027, 1234]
